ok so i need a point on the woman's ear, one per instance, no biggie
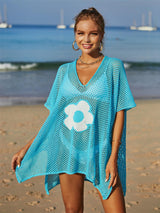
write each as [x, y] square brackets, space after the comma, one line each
[101, 38]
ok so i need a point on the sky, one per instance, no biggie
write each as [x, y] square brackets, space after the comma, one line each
[47, 12]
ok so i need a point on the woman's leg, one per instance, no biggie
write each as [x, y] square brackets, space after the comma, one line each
[115, 202]
[72, 187]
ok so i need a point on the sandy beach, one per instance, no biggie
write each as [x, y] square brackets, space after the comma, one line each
[20, 123]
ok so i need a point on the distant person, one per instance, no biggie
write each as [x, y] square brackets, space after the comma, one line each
[84, 135]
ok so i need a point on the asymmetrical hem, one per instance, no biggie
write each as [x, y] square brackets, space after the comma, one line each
[76, 137]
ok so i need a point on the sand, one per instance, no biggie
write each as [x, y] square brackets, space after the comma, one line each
[20, 123]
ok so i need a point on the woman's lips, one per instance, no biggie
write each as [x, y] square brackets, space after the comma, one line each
[87, 46]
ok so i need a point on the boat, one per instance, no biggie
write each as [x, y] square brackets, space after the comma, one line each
[71, 25]
[133, 27]
[4, 24]
[144, 27]
[61, 25]
[147, 28]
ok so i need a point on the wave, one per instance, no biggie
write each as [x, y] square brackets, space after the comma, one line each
[127, 65]
[142, 66]
[9, 101]
[26, 66]
[12, 66]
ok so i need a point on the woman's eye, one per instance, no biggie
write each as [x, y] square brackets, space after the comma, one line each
[94, 33]
[79, 33]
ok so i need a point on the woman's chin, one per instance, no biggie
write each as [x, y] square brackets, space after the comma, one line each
[89, 51]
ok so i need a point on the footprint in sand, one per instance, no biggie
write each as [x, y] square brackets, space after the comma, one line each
[134, 202]
[33, 203]
[9, 197]
[155, 164]
[156, 187]
[20, 210]
[140, 168]
[143, 188]
[50, 209]
[12, 143]
[6, 182]
[131, 203]
[93, 191]
[157, 208]
[146, 196]
[128, 205]
[94, 209]
[11, 173]
[38, 195]
[29, 184]
[3, 132]
[144, 174]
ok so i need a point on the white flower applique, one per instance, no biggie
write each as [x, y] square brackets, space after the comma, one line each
[78, 116]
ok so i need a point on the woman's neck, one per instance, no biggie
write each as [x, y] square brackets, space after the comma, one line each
[90, 57]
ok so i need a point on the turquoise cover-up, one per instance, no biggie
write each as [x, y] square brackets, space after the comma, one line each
[76, 137]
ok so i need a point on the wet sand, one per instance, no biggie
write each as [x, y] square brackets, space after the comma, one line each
[20, 123]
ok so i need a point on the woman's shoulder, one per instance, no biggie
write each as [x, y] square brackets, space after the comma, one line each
[64, 67]
[114, 67]
[115, 61]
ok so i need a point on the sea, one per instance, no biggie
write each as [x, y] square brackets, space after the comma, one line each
[31, 55]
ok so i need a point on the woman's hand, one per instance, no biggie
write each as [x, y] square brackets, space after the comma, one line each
[111, 170]
[17, 158]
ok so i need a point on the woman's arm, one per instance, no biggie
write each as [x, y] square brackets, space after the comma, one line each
[117, 133]
[17, 158]
[111, 168]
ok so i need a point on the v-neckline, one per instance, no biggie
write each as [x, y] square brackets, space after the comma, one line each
[91, 79]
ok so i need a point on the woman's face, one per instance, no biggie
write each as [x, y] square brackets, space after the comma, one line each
[88, 36]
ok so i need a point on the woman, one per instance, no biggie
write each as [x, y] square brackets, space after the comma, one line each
[83, 138]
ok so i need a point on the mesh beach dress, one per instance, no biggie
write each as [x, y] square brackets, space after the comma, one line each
[76, 136]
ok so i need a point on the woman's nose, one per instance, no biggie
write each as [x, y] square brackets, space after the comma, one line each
[87, 38]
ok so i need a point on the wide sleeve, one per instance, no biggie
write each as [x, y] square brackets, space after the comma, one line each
[125, 100]
[51, 100]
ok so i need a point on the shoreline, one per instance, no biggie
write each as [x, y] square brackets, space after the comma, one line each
[19, 123]
[27, 101]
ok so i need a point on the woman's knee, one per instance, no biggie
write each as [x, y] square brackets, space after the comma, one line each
[73, 209]
[72, 188]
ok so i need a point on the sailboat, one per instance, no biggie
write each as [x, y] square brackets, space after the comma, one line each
[4, 24]
[71, 25]
[61, 25]
[133, 27]
[144, 27]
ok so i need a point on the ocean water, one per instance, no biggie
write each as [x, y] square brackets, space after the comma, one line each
[30, 56]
